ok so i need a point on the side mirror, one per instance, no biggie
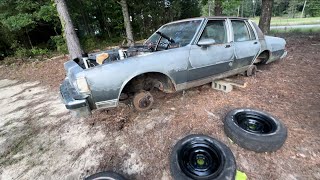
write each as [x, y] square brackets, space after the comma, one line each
[206, 42]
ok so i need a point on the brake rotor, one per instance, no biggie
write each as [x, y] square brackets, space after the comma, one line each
[143, 101]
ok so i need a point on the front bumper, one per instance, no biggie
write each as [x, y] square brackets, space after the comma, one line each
[73, 101]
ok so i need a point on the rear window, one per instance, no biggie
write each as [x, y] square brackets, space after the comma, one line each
[258, 30]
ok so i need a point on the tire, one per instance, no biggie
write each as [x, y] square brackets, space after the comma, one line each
[106, 175]
[255, 130]
[211, 150]
[143, 101]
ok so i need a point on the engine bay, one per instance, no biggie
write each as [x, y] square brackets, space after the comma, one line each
[96, 59]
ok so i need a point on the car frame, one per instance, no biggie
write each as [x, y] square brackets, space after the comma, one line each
[199, 62]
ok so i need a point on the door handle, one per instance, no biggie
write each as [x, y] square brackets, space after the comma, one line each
[255, 42]
[227, 46]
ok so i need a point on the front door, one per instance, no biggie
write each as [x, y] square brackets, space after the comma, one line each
[212, 59]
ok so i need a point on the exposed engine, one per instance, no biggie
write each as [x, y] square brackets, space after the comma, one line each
[108, 56]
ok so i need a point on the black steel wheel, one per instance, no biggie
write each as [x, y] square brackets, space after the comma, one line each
[201, 157]
[106, 175]
[255, 130]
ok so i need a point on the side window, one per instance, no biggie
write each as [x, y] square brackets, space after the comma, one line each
[258, 30]
[216, 30]
[240, 31]
[252, 35]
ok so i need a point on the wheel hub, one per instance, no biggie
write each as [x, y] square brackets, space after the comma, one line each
[144, 102]
[200, 159]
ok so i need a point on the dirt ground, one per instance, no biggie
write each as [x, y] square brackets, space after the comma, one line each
[39, 139]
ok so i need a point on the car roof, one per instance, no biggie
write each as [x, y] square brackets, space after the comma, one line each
[208, 17]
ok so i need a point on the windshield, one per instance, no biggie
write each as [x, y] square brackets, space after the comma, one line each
[181, 32]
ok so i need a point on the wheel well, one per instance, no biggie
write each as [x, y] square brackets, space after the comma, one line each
[147, 81]
[263, 57]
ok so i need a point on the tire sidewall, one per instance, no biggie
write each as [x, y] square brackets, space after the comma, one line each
[106, 174]
[254, 141]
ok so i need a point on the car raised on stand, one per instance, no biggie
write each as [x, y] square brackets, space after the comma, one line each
[178, 56]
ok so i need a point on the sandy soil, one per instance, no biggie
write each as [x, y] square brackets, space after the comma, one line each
[39, 139]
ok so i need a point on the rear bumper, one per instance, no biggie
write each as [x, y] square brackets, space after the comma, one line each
[284, 54]
[74, 101]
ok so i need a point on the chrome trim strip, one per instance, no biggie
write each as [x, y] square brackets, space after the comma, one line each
[219, 62]
[107, 104]
[206, 80]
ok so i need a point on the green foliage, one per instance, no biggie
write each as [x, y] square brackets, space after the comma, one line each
[35, 51]
[295, 31]
[292, 8]
[280, 7]
[47, 13]
[147, 16]
[32, 28]
[26, 14]
[244, 8]
[91, 43]
[22, 53]
[230, 8]
[18, 22]
[59, 44]
[21, 21]
[313, 8]
[189, 8]
[285, 21]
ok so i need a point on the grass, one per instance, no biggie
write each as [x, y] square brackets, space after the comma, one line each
[296, 30]
[283, 21]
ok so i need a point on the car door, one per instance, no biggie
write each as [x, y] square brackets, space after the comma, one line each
[208, 60]
[245, 42]
[214, 58]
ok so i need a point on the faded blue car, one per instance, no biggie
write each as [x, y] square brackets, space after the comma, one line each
[178, 56]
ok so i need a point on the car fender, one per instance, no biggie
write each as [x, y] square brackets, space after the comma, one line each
[276, 47]
[136, 75]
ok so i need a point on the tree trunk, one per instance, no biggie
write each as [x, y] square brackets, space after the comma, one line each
[218, 7]
[241, 8]
[30, 42]
[127, 22]
[304, 6]
[265, 18]
[209, 8]
[70, 35]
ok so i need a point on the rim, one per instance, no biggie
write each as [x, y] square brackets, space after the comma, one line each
[255, 122]
[200, 158]
[145, 101]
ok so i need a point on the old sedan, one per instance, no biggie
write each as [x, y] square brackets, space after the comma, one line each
[178, 56]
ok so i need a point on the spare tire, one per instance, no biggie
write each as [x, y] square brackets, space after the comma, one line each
[202, 157]
[106, 175]
[255, 130]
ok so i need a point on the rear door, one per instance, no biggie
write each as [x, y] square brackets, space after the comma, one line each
[246, 44]
[212, 59]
